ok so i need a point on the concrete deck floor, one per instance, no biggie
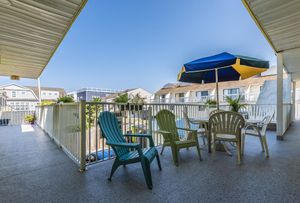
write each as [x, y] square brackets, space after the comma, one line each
[34, 169]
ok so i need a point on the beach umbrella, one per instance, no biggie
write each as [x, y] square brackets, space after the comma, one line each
[221, 67]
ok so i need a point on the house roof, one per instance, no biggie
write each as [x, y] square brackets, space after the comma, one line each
[211, 86]
[30, 33]
[61, 91]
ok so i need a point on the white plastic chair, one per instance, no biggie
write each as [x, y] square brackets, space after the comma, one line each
[201, 131]
[258, 130]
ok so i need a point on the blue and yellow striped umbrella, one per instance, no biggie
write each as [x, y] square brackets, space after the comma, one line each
[221, 67]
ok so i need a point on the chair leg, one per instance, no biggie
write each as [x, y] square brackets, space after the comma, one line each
[262, 143]
[238, 151]
[162, 150]
[203, 140]
[266, 145]
[243, 144]
[113, 169]
[198, 149]
[147, 173]
[158, 162]
[175, 155]
[214, 150]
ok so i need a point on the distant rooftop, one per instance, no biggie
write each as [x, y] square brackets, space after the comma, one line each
[94, 89]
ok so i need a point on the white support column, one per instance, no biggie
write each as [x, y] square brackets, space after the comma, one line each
[293, 112]
[279, 125]
[39, 90]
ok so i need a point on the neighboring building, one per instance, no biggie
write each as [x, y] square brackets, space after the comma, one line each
[131, 93]
[249, 89]
[49, 93]
[89, 94]
[21, 98]
[3, 99]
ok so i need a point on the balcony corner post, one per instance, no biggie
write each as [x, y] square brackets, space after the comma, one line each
[83, 135]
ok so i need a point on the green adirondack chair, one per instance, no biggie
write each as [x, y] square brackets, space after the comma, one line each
[111, 132]
[167, 127]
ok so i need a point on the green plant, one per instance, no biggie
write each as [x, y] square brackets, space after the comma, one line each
[122, 99]
[30, 119]
[137, 99]
[235, 103]
[65, 99]
[211, 102]
[90, 111]
[47, 103]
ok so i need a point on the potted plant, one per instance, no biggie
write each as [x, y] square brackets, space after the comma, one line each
[30, 119]
[235, 104]
[210, 103]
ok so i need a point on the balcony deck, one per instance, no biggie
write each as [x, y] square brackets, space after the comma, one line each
[34, 169]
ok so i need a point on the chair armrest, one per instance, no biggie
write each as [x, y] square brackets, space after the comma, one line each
[162, 132]
[142, 136]
[254, 127]
[124, 144]
[166, 134]
[187, 129]
[138, 135]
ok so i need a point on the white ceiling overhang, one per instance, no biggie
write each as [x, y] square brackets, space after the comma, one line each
[31, 31]
[279, 21]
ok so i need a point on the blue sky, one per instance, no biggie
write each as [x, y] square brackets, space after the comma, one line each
[134, 43]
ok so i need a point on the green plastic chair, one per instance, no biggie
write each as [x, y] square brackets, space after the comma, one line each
[167, 127]
[111, 132]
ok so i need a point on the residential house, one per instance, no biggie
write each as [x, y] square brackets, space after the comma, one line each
[3, 99]
[88, 94]
[131, 93]
[48, 93]
[249, 89]
[22, 98]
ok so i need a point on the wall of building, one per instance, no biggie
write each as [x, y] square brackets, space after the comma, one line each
[249, 90]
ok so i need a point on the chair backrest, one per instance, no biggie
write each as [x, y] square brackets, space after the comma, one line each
[265, 122]
[166, 122]
[109, 126]
[215, 111]
[226, 122]
[187, 122]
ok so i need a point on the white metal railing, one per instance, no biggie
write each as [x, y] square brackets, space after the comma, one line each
[9, 116]
[62, 122]
[247, 98]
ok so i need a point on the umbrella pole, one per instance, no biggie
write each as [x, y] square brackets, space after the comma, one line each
[217, 87]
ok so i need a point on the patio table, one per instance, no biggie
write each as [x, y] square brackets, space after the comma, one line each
[204, 121]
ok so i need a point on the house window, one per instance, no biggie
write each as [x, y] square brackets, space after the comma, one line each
[13, 94]
[202, 95]
[23, 92]
[232, 93]
[179, 97]
[50, 93]
[162, 98]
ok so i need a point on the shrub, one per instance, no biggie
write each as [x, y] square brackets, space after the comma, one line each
[122, 99]
[65, 99]
[47, 103]
[30, 119]
[211, 102]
